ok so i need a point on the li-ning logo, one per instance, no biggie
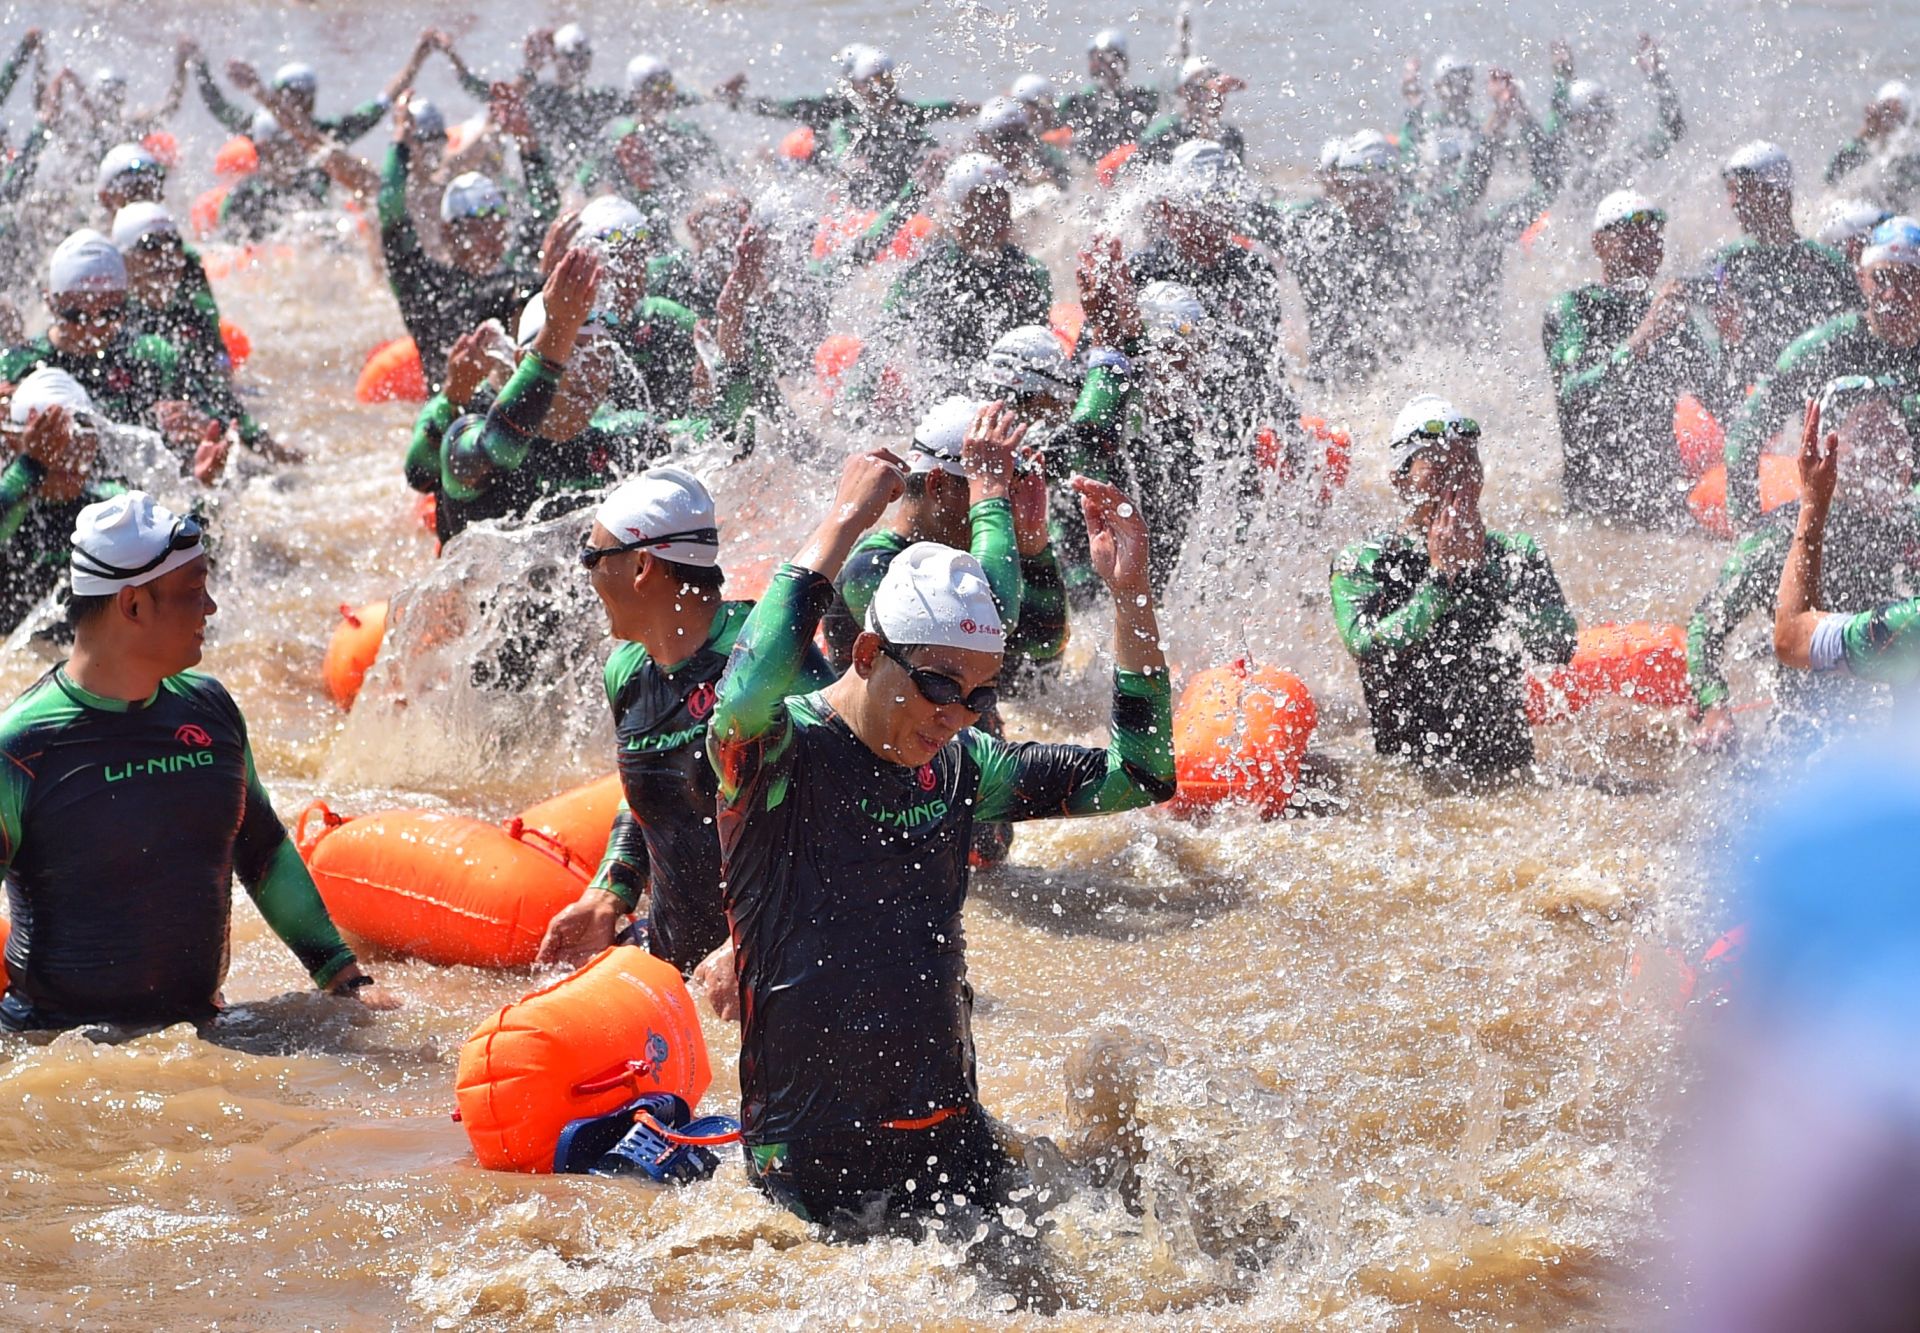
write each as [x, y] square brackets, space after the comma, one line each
[161, 765]
[700, 702]
[925, 776]
[194, 736]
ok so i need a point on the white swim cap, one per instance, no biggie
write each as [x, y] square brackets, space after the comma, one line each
[868, 62]
[1109, 39]
[1203, 176]
[1766, 162]
[129, 541]
[1849, 219]
[471, 195]
[136, 222]
[611, 220]
[48, 386]
[938, 439]
[1585, 96]
[571, 40]
[264, 128]
[428, 121]
[126, 159]
[970, 174]
[936, 596]
[1001, 115]
[1896, 90]
[1197, 69]
[1365, 151]
[86, 262]
[1626, 206]
[296, 76]
[1450, 65]
[1895, 241]
[1029, 360]
[849, 55]
[669, 509]
[1171, 311]
[110, 81]
[1426, 420]
[1032, 90]
[645, 71]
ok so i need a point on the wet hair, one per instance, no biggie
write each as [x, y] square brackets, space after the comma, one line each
[80, 609]
[705, 577]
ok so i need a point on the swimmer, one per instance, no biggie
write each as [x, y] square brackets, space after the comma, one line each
[1107, 111]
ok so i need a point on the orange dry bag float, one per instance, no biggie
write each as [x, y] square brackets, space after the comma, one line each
[392, 374]
[239, 346]
[1336, 453]
[579, 820]
[911, 239]
[833, 358]
[352, 651]
[204, 214]
[835, 231]
[1107, 169]
[1642, 661]
[584, 1046]
[1779, 485]
[1067, 318]
[237, 157]
[164, 147]
[1698, 435]
[1239, 734]
[437, 886]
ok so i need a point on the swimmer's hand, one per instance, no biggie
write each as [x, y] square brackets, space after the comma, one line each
[373, 997]
[716, 979]
[1116, 537]
[210, 455]
[1819, 462]
[581, 930]
[1030, 532]
[989, 450]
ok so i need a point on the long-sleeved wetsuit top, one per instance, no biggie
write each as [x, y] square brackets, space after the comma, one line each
[566, 120]
[1361, 288]
[1868, 560]
[1581, 178]
[342, 129]
[1170, 129]
[1844, 345]
[679, 149]
[256, 205]
[952, 303]
[1441, 664]
[190, 323]
[664, 842]
[1783, 290]
[35, 534]
[125, 380]
[876, 148]
[991, 542]
[121, 829]
[1616, 408]
[15, 66]
[846, 876]
[440, 302]
[1882, 644]
[1103, 118]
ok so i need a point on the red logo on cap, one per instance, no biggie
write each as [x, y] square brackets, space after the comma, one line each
[926, 777]
[700, 702]
[194, 736]
[968, 627]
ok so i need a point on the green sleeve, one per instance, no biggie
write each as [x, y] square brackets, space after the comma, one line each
[993, 545]
[1036, 780]
[815, 112]
[1367, 635]
[1884, 643]
[18, 483]
[1042, 632]
[285, 894]
[10, 72]
[473, 84]
[1099, 414]
[1671, 126]
[861, 575]
[624, 865]
[1746, 585]
[1578, 368]
[470, 457]
[355, 123]
[750, 727]
[423, 453]
[1803, 365]
[19, 172]
[1851, 156]
[1547, 628]
[230, 116]
[391, 205]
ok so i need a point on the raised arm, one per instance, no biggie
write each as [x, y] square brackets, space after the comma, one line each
[1797, 617]
[235, 118]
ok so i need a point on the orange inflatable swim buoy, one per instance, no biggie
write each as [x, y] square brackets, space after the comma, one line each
[798, 145]
[1779, 485]
[833, 358]
[1535, 230]
[392, 374]
[910, 240]
[1067, 319]
[579, 820]
[1060, 136]
[239, 346]
[236, 157]
[584, 1046]
[1239, 734]
[352, 650]
[1698, 434]
[438, 886]
[1107, 169]
[426, 512]
[1335, 444]
[1640, 660]
[204, 214]
[164, 147]
[833, 232]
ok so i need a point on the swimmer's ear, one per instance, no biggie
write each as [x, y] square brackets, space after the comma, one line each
[866, 650]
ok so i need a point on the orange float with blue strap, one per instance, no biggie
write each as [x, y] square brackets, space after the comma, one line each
[234, 339]
[1240, 733]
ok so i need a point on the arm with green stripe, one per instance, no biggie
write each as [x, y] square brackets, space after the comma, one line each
[1366, 634]
[1038, 780]
[1745, 586]
[624, 865]
[474, 454]
[280, 885]
[750, 728]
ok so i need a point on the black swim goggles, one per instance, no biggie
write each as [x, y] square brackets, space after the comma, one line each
[185, 536]
[73, 314]
[940, 690]
[591, 555]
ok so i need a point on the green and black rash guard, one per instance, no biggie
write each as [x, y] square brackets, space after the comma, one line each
[121, 829]
[846, 876]
[133, 373]
[952, 303]
[1171, 129]
[1104, 118]
[440, 302]
[1442, 665]
[1616, 408]
[1869, 559]
[342, 129]
[875, 148]
[1581, 178]
[255, 206]
[664, 843]
[1360, 288]
[190, 323]
[35, 532]
[567, 120]
[1844, 345]
[1783, 291]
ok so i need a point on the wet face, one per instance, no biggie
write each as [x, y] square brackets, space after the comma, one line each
[716, 221]
[1755, 204]
[1200, 237]
[986, 218]
[172, 612]
[615, 580]
[874, 92]
[1591, 131]
[155, 268]
[477, 244]
[570, 67]
[1893, 302]
[1876, 457]
[1448, 468]
[1108, 67]
[84, 323]
[1455, 90]
[1632, 250]
[913, 729]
